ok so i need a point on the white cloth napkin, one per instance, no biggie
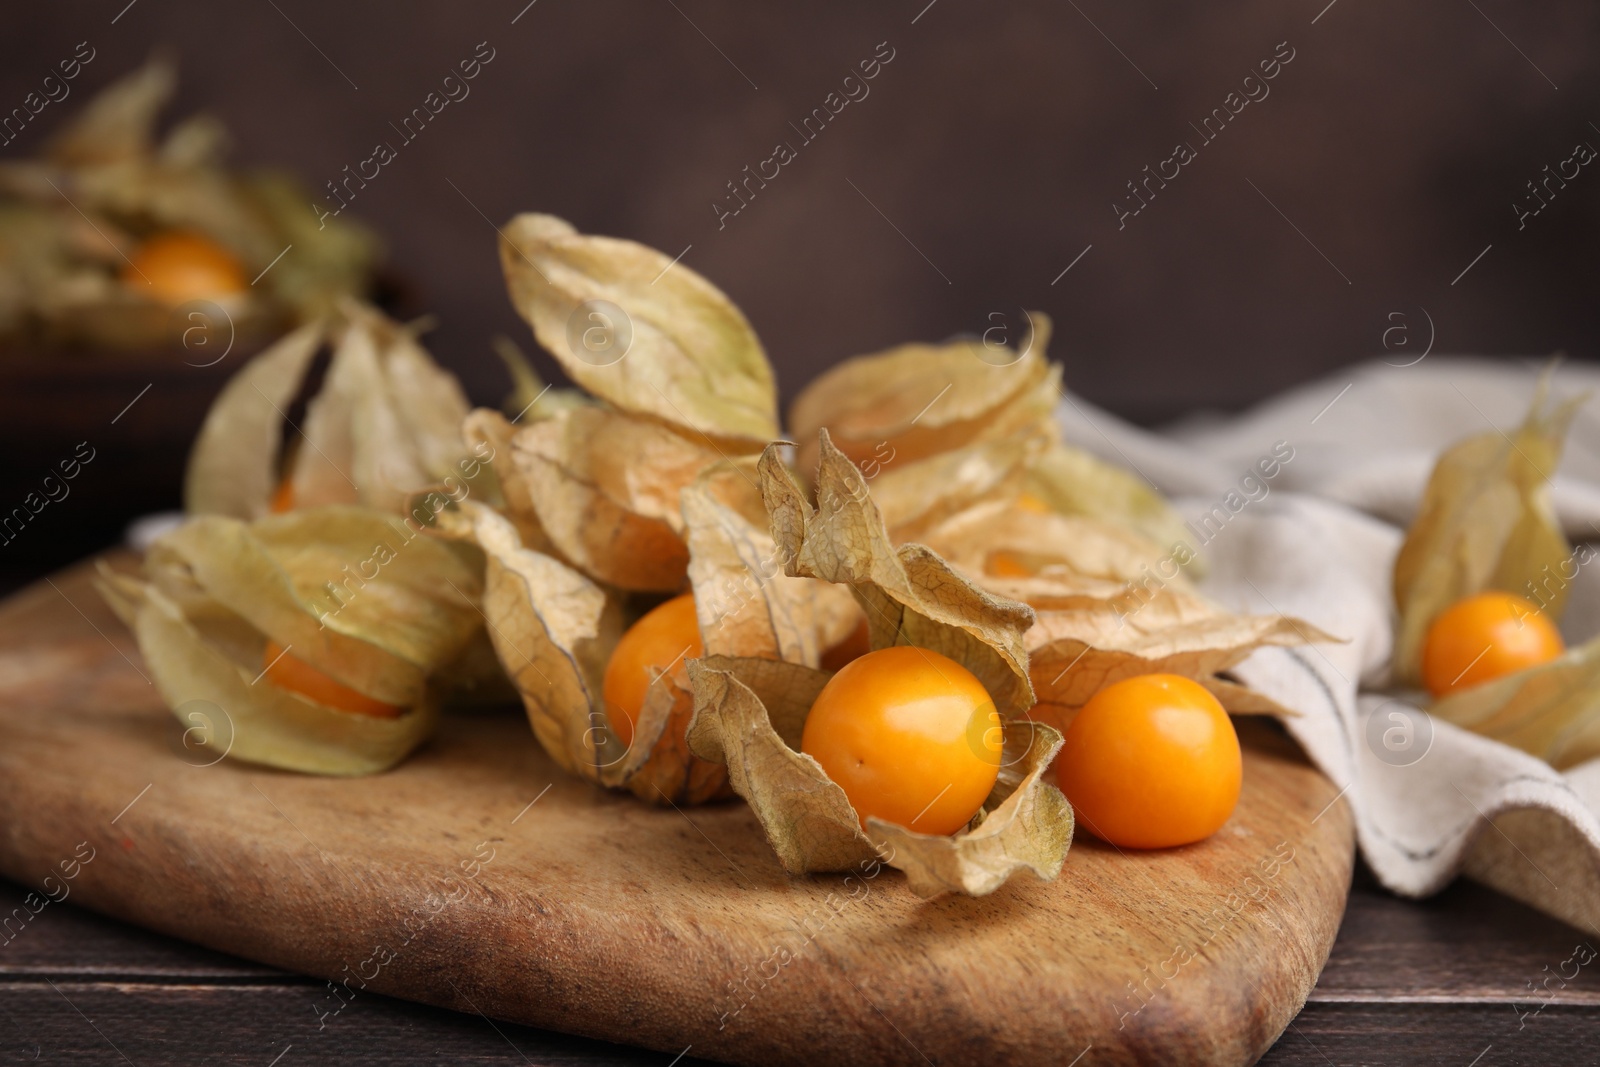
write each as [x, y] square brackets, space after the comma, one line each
[1317, 541]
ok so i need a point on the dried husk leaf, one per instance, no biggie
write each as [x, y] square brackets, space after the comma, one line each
[261, 722]
[1062, 553]
[917, 400]
[806, 816]
[1077, 651]
[554, 630]
[487, 432]
[386, 423]
[233, 466]
[911, 596]
[119, 122]
[217, 589]
[1551, 711]
[915, 498]
[1485, 523]
[1075, 482]
[694, 362]
[1025, 824]
[746, 605]
[604, 486]
[301, 580]
[668, 771]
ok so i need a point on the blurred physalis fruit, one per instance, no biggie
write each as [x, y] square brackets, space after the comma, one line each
[176, 267]
[1485, 637]
[1151, 762]
[910, 735]
[287, 671]
[657, 644]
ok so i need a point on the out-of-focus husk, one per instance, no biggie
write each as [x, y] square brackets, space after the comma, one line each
[106, 180]
[915, 498]
[258, 721]
[385, 424]
[1551, 711]
[1485, 523]
[233, 465]
[1074, 482]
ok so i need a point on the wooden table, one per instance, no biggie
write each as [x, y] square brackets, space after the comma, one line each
[1439, 982]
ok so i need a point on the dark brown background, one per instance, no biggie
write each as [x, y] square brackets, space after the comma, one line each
[996, 142]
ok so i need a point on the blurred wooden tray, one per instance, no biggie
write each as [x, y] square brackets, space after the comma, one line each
[478, 876]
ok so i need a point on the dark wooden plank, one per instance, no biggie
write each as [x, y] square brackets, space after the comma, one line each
[65, 941]
[1433, 981]
[89, 1024]
[1408, 981]
[1456, 1035]
[1467, 943]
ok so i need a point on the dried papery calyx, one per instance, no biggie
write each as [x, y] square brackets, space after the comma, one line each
[917, 400]
[1081, 645]
[1551, 711]
[1485, 523]
[556, 630]
[368, 609]
[910, 595]
[118, 235]
[604, 487]
[644, 334]
[385, 424]
[1109, 604]
[1071, 481]
[750, 714]
[682, 385]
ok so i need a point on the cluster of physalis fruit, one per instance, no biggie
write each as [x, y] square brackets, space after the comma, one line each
[925, 631]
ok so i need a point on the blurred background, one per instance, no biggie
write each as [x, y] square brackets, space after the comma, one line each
[1421, 166]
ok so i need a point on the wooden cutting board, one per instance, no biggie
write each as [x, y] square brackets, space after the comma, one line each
[478, 876]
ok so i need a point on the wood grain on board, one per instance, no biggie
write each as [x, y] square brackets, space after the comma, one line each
[478, 877]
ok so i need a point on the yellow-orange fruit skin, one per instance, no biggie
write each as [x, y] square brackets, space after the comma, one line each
[910, 735]
[1151, 761]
